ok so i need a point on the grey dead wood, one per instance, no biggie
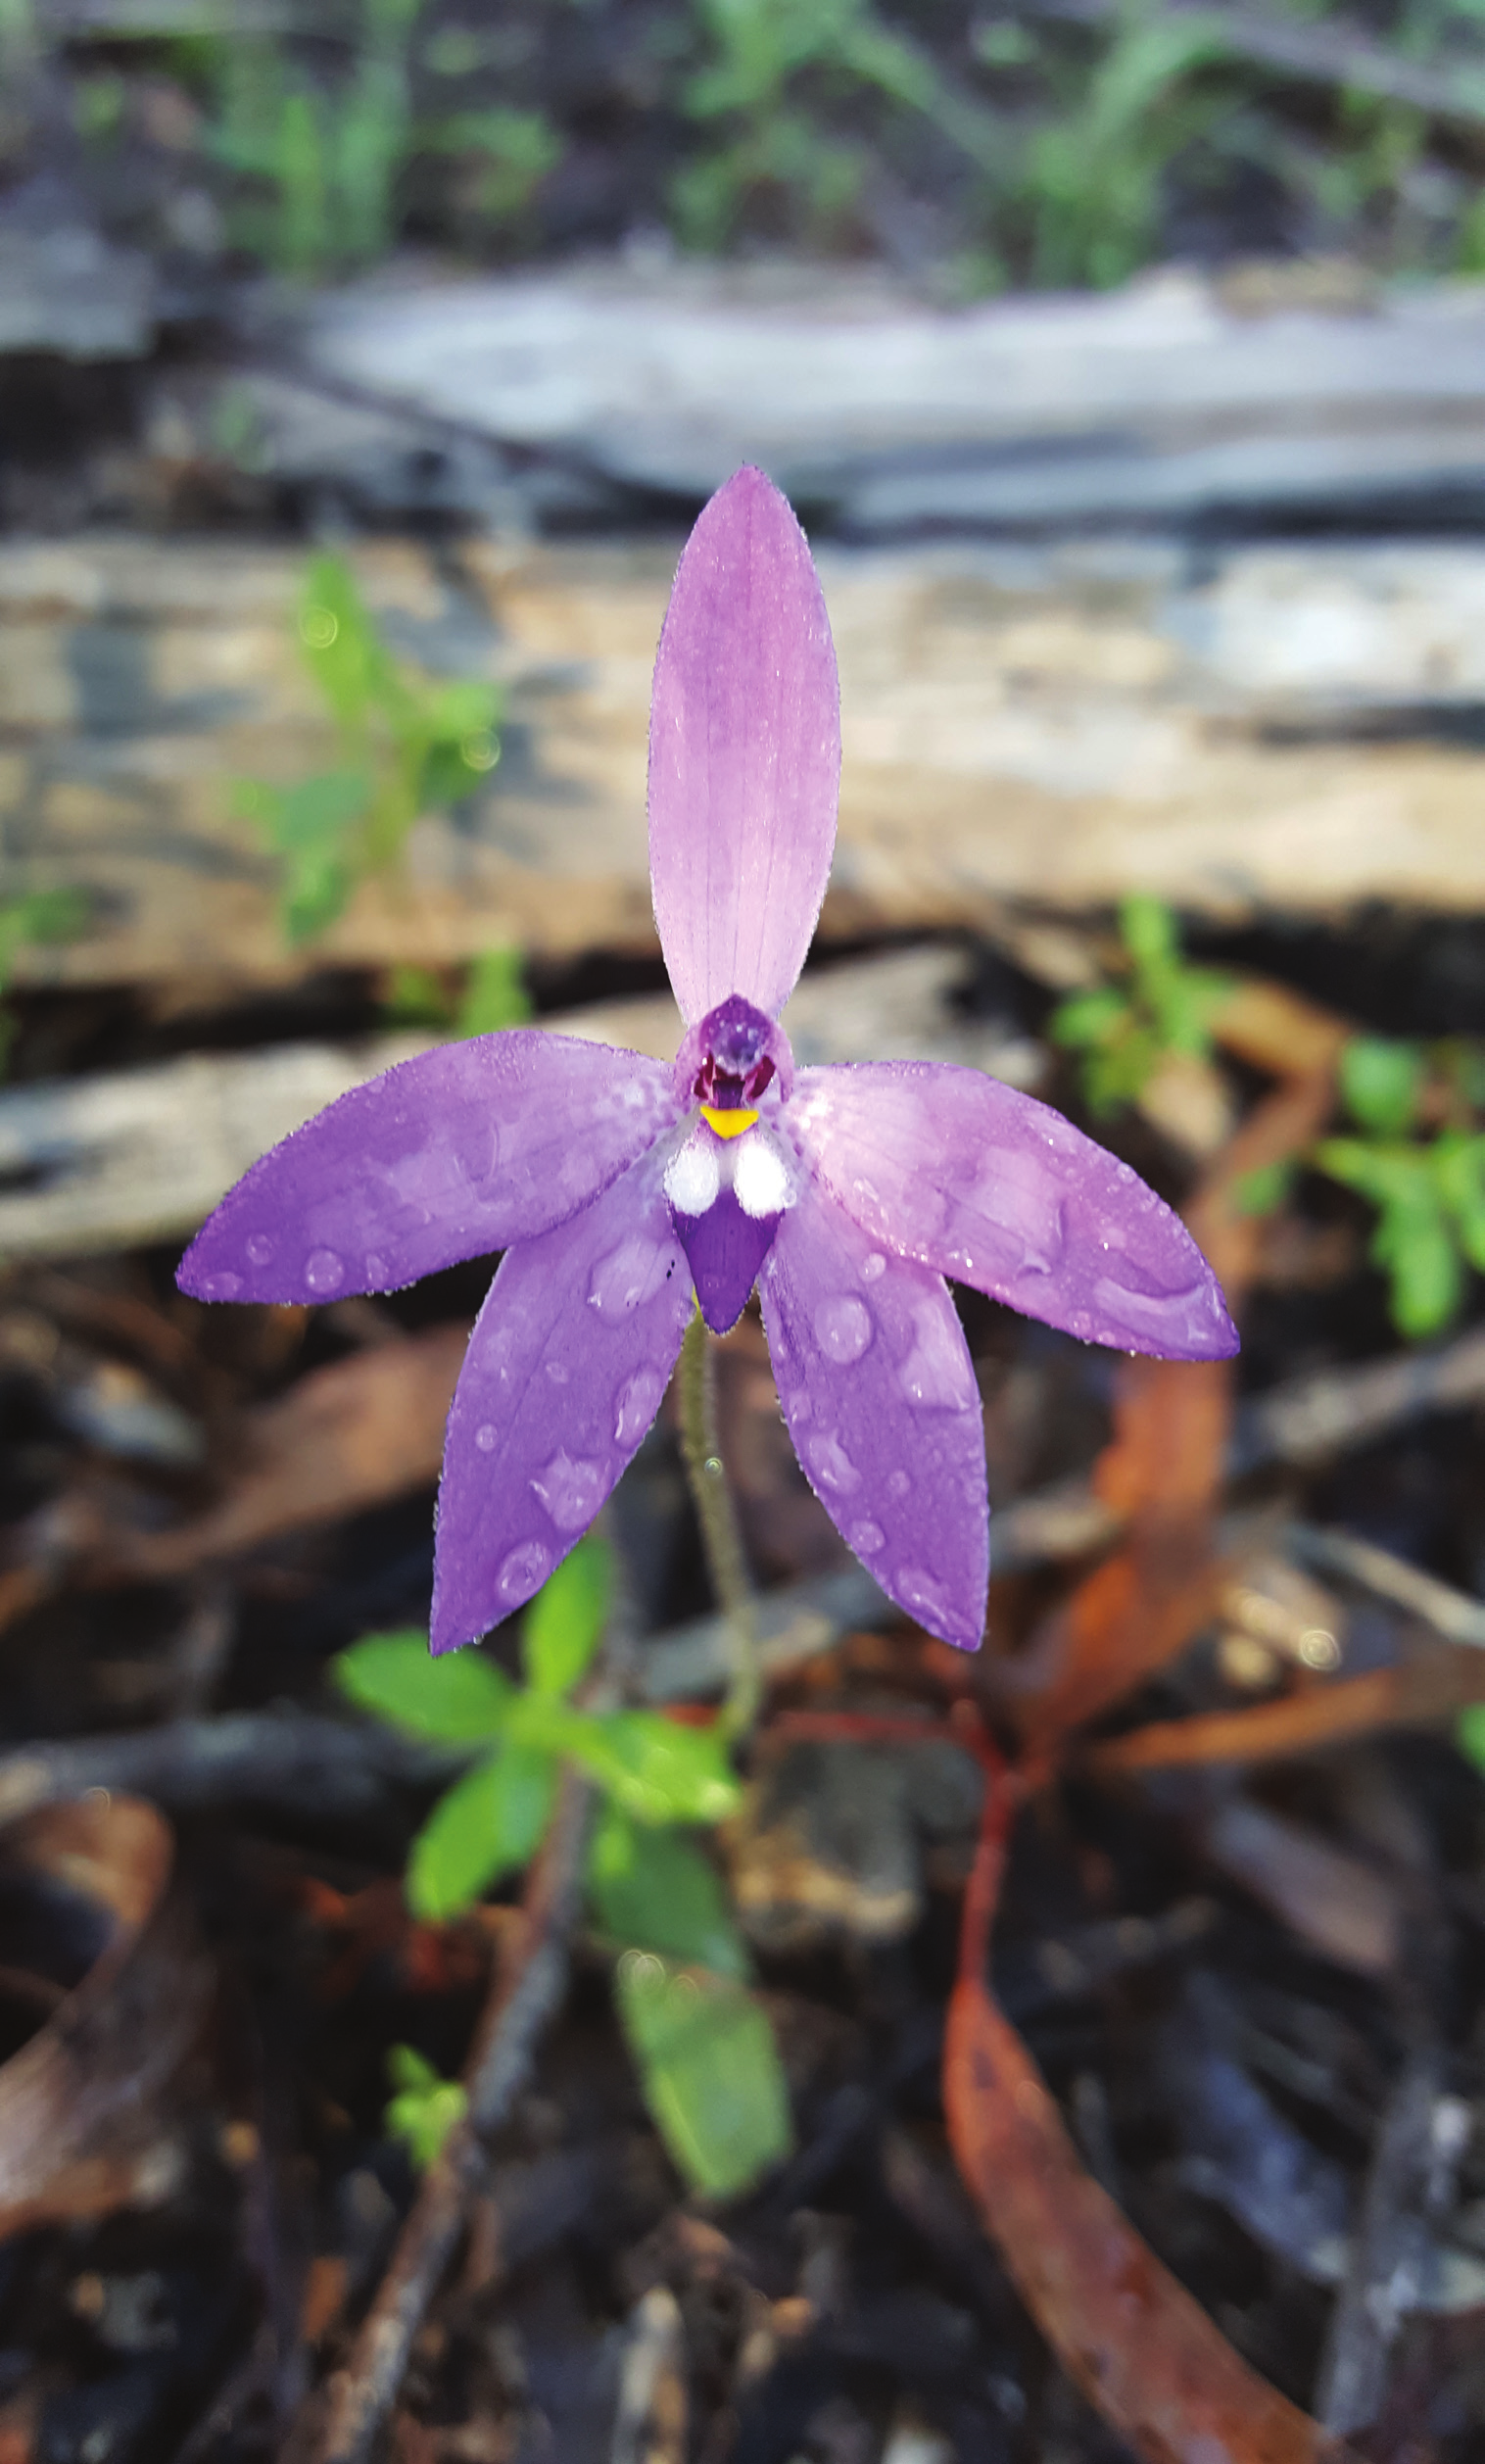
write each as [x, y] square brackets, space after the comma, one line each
[892, 411]
[139, 1155]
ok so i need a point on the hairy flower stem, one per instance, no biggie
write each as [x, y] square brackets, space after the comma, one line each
[717, 1513]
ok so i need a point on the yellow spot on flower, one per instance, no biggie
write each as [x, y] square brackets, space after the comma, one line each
[728, 1124]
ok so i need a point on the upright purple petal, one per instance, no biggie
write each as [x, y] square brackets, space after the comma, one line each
[954, 1169]
[745, 754]
[877, 1385]
[458, 1152]
[567, 1366]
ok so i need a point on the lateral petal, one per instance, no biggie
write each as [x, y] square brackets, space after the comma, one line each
[878, 1392]
[567, 1366]
[966, 1175]
[745, 754]
[456, 1153]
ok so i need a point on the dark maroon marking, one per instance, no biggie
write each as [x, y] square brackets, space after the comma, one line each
[732, 1056]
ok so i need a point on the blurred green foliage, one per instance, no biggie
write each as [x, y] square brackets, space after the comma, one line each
[1428, 1190]
[1159, 1006]
[702, 2043]
[1046, 146]
[425, 2108]
[41, 915]
[409, 747]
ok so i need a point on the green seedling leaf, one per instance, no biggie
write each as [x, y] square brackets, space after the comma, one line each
[493, 996]
[341, 648]
[653, 1768]
[1415, 1243]
[417, 996]
[486, 1825]
[1147, 929]
[1086, 1018]
[1459, 1170]
[455, 1701]
[659, 1893]
[1264, 1191]
[564, 1624]
[425, 2108]
[1470, 1734]
[1380, 1081]
[710, 2071]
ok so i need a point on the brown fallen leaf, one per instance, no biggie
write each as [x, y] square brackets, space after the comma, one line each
[1417, 1691]
[1158, 2369]
[1163, 1472]
[364, 1430]
[85, 2124]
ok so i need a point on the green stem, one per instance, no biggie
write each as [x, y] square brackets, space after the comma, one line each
[717, 1515]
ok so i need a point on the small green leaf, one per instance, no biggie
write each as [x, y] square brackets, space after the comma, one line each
[564, 1624]
[425, 2108]
[710, 2071]
[656, 1769]
[1380, 1083]
[493, 996]
[1470, 1734]
[486, 1825]
[659, 1893]
[455, 1699]
[1459, 1168]
[1088, 1017]
[1264, 1191]
[1147, 929]
[1417, 1245]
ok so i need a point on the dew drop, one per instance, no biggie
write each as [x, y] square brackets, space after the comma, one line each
[801, 1408]
[325, 1271]
[636, 1405]
[223, 1286]
[866, 1538]
[524, 1571]
[918, 1592]
[830, 1463]
[571, 1489]
[260, 1248]
[476, 1142]
[873, 1266]
[629, 1276]
[487, 1438]
[897, 1485]
[842, 1328]
[557, 1371]
[378, 1271]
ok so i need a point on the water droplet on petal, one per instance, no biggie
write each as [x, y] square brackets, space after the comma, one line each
[897, 1485]
[557, 1371]
[223, 1286]
[475, 1139]
[842, 1328]
[936, 1373]
[524, 1571]
[378, 1271]
[260, 1248]
[830, 1463]
[631, 1275]
[918, 1592]
[866, 1538]
[325, 1271]
[872, 1267]
[636, 1405]
[571, 1489]
[487, 1438]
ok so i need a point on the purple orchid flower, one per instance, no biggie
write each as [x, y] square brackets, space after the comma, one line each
[619, 1188]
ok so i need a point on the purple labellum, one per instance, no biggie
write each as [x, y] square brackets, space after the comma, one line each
[724, 1250]
[617, 1185]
